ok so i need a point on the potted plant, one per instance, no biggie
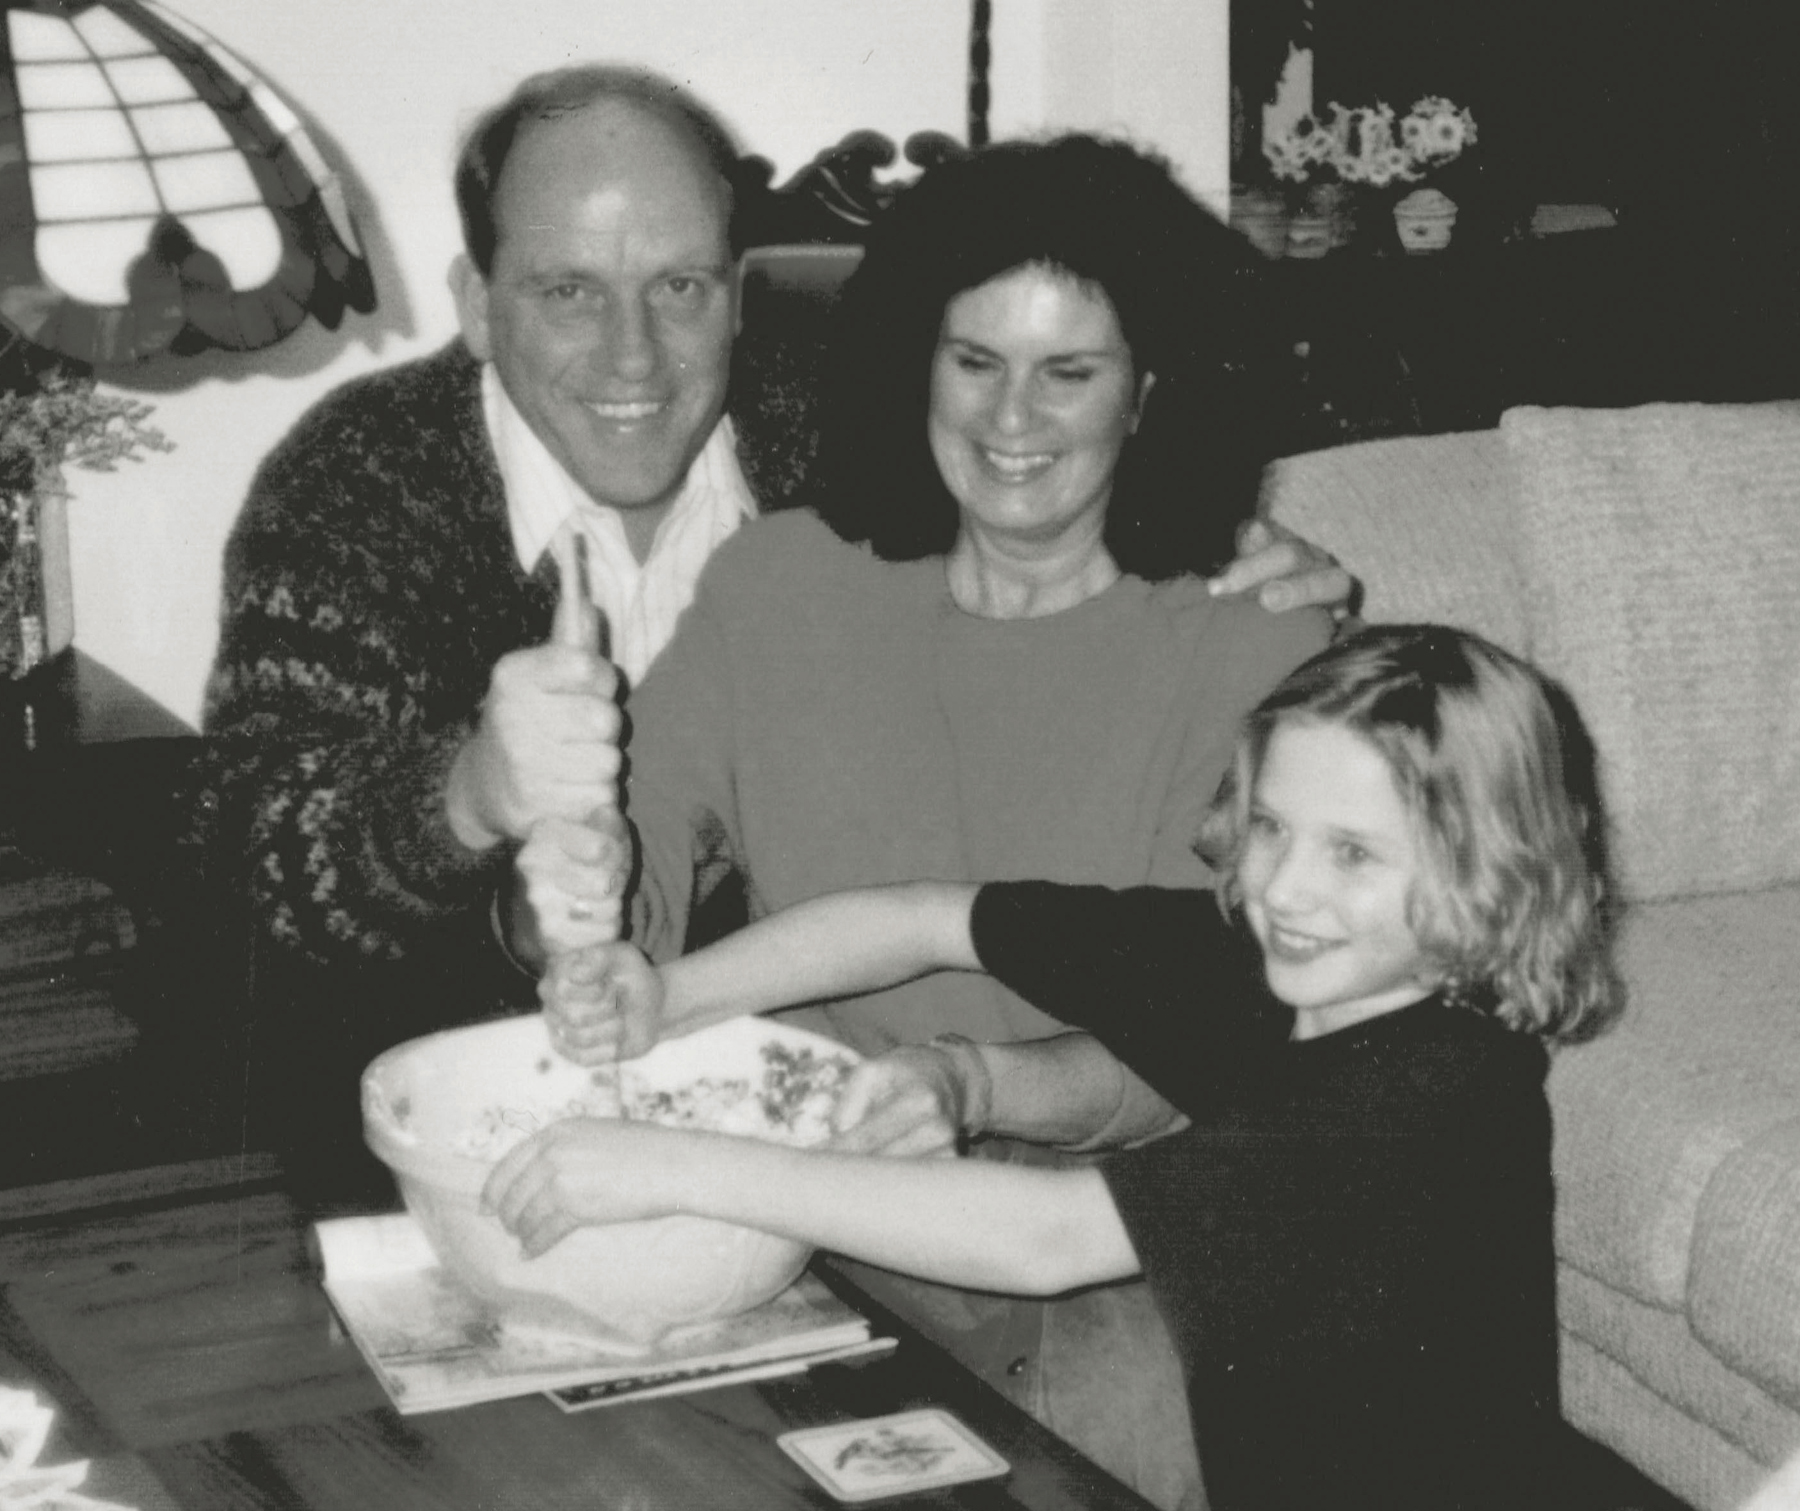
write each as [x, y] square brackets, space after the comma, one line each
[1319, 158]
[1433, 134]
[1304, 160]
[1259, 211]
[63, 421]
[1325, 159]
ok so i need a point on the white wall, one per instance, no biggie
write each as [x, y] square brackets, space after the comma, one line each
[1155, 70]
[389, 84]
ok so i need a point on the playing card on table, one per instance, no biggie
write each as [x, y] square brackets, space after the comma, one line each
[897, 1455]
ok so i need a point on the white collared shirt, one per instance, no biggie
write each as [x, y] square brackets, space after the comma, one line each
[641, 600]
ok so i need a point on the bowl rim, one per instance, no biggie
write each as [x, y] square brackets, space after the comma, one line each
[467, 1174]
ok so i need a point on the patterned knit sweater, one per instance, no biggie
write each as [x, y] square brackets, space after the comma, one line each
[370, 586]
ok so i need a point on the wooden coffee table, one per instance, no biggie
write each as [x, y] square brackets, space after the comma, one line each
[194, 1358]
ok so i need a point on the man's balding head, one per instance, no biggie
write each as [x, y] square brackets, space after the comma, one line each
[547, 96]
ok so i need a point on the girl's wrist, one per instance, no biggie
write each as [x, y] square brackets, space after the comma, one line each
[674, 976]
[973, 1078]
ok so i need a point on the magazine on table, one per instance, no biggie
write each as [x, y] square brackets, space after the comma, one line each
[433, 1346]
[682, 1380]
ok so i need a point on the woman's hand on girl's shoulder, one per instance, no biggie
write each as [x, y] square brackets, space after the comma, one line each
[1286, 571]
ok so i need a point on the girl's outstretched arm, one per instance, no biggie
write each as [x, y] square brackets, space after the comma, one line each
[1063, 1089]
[607, 1002]
[975, 1223]
[839, 945]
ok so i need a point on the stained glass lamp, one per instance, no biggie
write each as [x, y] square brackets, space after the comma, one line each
[156, 194]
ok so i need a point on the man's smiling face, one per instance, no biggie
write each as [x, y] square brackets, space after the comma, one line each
[611, 306]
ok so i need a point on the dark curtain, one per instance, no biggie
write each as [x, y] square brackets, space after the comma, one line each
[1682, 119]
[1550, 102]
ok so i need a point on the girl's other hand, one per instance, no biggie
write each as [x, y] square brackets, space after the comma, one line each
[907, 1102]
[602, 1003]
[581, 1171]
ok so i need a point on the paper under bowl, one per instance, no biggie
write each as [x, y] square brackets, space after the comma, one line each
[629, 1283]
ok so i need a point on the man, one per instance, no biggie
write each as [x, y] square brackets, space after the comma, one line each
[386, 718]
[385, 715]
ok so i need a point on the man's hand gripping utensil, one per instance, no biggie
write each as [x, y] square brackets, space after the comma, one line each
[574, 922]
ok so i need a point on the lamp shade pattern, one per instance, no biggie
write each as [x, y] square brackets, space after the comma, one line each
[156, 194]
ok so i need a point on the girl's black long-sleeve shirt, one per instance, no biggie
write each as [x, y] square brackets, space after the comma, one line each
[1352, 1243]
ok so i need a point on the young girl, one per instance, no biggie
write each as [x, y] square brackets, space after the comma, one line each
[1352, 1240]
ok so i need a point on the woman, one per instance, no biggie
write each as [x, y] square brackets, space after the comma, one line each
[987, 654]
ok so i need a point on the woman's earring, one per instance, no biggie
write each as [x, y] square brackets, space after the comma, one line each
[1136, 417]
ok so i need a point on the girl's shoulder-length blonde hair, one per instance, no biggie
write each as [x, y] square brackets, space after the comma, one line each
[1497, 773]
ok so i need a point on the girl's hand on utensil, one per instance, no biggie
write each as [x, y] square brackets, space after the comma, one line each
[602, 1004]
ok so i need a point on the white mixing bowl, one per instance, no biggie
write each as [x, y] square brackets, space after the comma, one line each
[443, 1109]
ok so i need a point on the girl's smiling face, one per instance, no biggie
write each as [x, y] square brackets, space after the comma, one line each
[1329, 863]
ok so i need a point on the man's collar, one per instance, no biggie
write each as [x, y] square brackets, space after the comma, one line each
[541, 496]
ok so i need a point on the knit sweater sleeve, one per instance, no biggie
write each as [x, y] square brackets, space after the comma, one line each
[369, 587]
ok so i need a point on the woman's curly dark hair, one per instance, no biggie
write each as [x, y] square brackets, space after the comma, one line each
[1114, 218]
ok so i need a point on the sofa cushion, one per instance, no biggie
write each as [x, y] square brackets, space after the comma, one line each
[1661, 1352]
[1681, 1452]
[1744, 1283]
[1427, 524]
[1662, 551]
[1701, 1066]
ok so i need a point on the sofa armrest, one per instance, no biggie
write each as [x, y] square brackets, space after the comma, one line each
[1427, 524]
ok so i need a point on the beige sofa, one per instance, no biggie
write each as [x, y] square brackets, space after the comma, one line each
[1650, 559]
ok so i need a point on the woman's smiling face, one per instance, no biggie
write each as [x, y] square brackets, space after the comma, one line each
[1033, 392]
